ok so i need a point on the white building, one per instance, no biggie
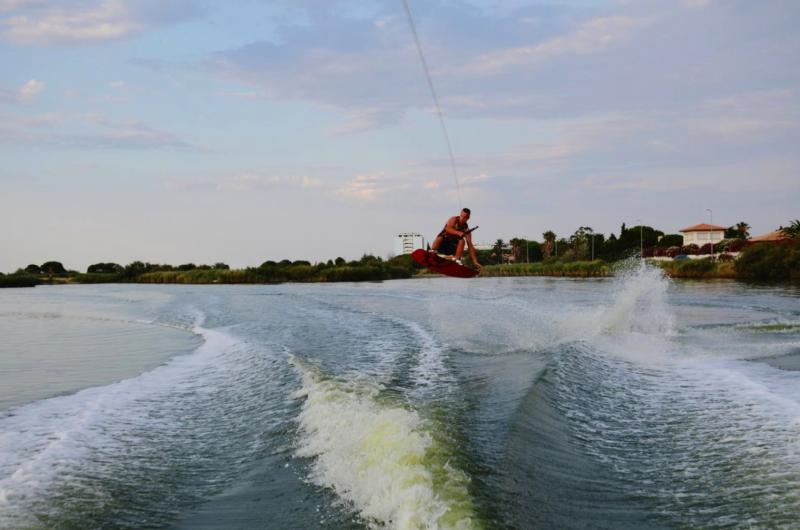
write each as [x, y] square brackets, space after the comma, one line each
[703, 234]
[407, 243]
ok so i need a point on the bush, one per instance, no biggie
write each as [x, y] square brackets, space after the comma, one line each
[765, 261]
[690, 268]
[18, 280]
[735, 245]
[550, 267]
[99, 277]
[671, 240]
[691, 250]
[105, 268]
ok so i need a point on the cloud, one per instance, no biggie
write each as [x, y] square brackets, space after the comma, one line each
[87, 131]
[366, 119]
[754, 176]
[592, 37]
[254, 181]
[49, 23]
[697, 3]
[110, 20]
[241, 182]
[13, 5]
[364, 188]
[31, 90]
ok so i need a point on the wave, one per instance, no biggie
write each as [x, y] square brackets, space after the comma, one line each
[61, 458]
[379, 455]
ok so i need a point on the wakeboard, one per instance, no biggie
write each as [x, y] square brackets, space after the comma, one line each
[436, 263]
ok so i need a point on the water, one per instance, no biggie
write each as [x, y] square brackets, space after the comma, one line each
[435, 403]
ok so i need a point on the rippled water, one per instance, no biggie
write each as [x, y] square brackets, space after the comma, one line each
[436, 403]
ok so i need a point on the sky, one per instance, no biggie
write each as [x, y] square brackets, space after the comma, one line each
[177, 131]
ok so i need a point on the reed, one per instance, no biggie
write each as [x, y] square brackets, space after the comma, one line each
[572, 269]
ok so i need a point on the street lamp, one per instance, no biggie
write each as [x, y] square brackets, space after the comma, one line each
[641, 240]
[710, 222]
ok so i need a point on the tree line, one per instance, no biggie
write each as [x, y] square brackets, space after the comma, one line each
[767, 262]
[367, 268]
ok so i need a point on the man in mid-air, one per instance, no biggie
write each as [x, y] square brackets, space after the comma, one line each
[450, 240]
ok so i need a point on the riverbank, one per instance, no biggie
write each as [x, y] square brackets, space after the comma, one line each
[785, 270]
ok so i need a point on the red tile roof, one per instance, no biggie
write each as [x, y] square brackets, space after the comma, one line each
[703, 227]
[777, 235]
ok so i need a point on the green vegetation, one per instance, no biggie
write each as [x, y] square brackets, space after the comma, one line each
[698, 268]
[368, 268]
[18, 280]
[766, 261]
[575, 269]
[583, 254]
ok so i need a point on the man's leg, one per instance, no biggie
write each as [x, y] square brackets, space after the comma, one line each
[436, 243]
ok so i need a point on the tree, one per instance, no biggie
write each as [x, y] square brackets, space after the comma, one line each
[135, 269]
[222, 266]
[498, 250]
[339, 261]
[671, 240]
[105, 268]
[518, 249]
[533, 251]
[549, 242]
[53, 267]
[33, 269]
[743, 230]
[793, 230]
[579, 242]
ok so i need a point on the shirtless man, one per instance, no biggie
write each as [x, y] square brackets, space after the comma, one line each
[451, 239]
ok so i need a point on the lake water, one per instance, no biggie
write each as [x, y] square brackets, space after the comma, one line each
[632, 402]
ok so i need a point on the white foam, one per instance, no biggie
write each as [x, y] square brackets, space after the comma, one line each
[379, 457]
[43, 443]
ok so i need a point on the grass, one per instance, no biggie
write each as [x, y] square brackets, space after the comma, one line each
[572, 269]
[698, 268]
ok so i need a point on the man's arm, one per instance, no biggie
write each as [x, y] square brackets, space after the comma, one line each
[451, 227]
[472, 253]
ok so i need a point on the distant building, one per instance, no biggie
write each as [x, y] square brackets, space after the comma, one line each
[408, 242]
[773, 237]
[703, 234]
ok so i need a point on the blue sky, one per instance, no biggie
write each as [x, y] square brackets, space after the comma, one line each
[191, 130]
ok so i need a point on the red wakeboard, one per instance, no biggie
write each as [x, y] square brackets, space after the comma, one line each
[442, 265]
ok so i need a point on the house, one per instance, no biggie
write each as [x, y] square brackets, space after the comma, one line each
[408, 242]
[702, 234]
[773, 237]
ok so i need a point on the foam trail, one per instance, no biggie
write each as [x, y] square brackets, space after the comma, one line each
[44, 444]
[379, 457]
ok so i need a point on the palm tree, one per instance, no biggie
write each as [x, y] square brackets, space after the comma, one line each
[498, 249]
[793, 230]
[549, 241]
[516, 248]
[743, 229]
